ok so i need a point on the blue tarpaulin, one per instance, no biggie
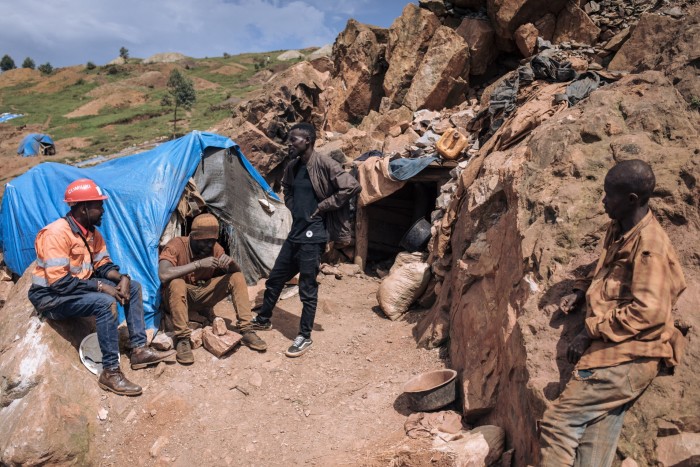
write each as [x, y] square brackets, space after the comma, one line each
[31, 144]
[143, 191]
[8, 116]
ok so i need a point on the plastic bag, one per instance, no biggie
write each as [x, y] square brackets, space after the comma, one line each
[407, 280]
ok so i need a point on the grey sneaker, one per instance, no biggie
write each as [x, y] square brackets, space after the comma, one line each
[300, 346]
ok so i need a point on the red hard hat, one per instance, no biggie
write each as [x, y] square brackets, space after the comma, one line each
[83, 189]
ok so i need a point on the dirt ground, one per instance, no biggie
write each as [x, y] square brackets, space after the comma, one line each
[341, 403]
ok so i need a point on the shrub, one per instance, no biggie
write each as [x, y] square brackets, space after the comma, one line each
[46, 68]
[6, 63]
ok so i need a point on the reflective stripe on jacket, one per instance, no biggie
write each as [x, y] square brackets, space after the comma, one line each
[61, 251]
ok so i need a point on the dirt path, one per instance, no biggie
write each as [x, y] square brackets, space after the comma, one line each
[331, 406]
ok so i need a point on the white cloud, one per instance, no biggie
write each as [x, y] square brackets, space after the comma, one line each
[74, 31]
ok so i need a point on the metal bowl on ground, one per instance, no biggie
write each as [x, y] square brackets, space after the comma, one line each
[431, 390]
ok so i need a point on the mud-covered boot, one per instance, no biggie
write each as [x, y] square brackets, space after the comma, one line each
[184, 351]
[252, 340]
[115, 381]
[143, 356]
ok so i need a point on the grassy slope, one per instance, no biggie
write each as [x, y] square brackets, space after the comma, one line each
[116, 128]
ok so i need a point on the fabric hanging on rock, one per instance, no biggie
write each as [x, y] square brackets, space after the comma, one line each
[406, 168]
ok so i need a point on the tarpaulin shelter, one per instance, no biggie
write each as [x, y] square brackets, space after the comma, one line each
[144, 190]
[36, 144]
[9, 116]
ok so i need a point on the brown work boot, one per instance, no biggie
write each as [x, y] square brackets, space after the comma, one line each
[184, 351]
[143, 356]
[253, 341]
[115, 381]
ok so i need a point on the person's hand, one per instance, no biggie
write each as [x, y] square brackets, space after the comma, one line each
[112, 292]
[207, 263]
[569, 302]
[124, 288]
[315, 215]
[224, 261]
[578, 346]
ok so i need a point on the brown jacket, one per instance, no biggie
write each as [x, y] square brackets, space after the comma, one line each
[333, 186]
[628, 303]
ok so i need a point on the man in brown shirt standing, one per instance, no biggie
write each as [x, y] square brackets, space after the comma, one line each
[628, 329]
[196, 273]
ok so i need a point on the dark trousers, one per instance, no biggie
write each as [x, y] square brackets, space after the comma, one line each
[302, 258]
[104, 308]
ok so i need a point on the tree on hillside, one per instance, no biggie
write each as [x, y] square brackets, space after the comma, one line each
[181, 93]
[45, 68]
[124, 53]
[28, 63]
[6, 63]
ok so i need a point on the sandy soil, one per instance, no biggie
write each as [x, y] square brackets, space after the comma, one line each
[339, 404]
[201, 84]
[125, 98]
[230, 69]
[18, 75]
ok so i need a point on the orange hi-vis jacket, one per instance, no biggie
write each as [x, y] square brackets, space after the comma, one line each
[62, 250]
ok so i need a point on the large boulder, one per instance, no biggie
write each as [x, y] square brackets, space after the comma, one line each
[293, 95]
[48, 400]
[378, 126]
[528, 221]
[574, 25]
[358, 56]
[263, 152]
[409, 39]
[480, 36]
[664, 43]
[507, 15]
[440, 79]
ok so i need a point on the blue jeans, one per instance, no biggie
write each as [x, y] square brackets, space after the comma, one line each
[302, 258]
[582, 427]
[104, 308]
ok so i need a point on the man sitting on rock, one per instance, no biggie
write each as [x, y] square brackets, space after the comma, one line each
[628, 329]
[197, 274]
[75, 277]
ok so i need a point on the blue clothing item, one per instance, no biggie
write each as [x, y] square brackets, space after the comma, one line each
[306, 229]
[405, 168]
[100, 305]
[302, 258]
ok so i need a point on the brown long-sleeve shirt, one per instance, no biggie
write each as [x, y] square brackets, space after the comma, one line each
[628, 304]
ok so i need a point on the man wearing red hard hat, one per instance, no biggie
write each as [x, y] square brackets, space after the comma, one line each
[75, 277]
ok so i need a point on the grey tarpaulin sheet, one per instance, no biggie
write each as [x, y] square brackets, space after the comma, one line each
[254, 234]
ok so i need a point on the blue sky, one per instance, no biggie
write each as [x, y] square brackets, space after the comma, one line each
[72, 32]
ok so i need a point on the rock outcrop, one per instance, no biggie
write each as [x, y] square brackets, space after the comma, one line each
[668, 44]
[439, 80]
[409, 39]
[48, 400]
[529, 225]
[359, 65]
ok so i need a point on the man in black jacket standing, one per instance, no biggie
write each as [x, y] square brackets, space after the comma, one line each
[316, 190]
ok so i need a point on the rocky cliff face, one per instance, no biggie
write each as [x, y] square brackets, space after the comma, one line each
[530, 224]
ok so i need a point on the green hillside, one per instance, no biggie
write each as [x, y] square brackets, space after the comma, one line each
[112, 107]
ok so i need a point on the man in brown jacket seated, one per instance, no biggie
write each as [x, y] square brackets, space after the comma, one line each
[628, 330]
[197, 274]
[316, 190]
